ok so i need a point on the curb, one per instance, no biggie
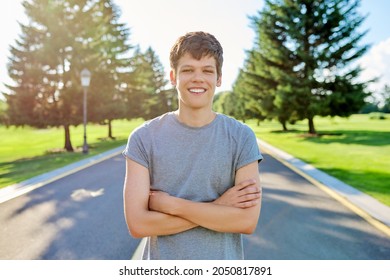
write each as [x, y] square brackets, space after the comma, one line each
[15, 190]
[140, 248]
[371, 210]
[374, 212]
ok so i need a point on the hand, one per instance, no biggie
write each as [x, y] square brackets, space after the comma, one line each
[244, 195]
[159, 201]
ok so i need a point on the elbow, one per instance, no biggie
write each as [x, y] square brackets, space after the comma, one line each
[136, 231]
[250, 221]
[249, 225]
[249, 229]
[136, 234]
[136, 228]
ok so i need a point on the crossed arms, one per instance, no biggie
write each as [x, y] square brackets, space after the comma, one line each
[151, 213]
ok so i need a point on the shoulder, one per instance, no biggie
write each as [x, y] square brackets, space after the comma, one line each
[153, 125]
[235, 126]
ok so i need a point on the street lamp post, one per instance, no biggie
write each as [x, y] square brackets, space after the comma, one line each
[85, 80]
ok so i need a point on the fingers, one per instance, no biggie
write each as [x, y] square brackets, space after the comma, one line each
[248, 194]
[155, 192]
[249, 200]
[249, 190]
[245, 184]
[248, 204]
[249, 197]
[247, 187]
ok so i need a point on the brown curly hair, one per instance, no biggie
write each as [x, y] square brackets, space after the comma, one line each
[199, 44]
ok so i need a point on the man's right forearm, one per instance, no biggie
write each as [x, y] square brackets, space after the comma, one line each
[153, 223]
[237, 210]
[141, 220]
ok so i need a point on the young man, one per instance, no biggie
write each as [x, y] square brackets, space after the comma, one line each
[192, 179]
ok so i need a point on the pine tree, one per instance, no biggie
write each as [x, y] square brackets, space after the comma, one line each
[61, 38]
[301, 63]
[386, 99]
[149, 95]
[112, 70]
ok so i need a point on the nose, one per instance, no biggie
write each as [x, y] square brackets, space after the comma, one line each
[198, 76]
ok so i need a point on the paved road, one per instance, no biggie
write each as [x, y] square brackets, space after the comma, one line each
[81, 217]
[77, 217]
[299, 221]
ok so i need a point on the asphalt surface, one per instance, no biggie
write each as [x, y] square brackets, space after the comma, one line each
[299, 221]
[77, 217]
[81, 217]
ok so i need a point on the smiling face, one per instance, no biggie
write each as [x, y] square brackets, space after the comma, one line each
[195, 81]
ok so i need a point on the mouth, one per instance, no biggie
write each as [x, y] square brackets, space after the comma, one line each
[197, 91]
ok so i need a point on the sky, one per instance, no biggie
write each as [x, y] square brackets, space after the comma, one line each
[157, 24]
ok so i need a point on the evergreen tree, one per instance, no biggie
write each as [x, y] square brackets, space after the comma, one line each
[3, 109]
[61, 38]
[149, 96]
[112, 70]
[386, 99]
[225, 103]
[301, 64]
[249, 96]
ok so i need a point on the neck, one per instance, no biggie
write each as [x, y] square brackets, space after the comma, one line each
[195, 118]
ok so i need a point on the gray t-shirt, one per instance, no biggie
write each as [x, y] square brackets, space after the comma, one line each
[197, 164]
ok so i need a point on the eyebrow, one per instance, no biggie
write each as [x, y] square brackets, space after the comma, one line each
[206, 66]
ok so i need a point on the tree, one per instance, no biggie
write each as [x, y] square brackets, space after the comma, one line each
[112, 72]
[225, 102]
[369, 107]
[149, 96]
[3, 116]
[61, 38]
[301, 63]
[252, 96]
[386, 99]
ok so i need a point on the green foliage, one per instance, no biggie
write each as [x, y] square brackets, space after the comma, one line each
[65, 36]
[301, 63]
[3, 116]
[354, 149]
[26, 152]
[148, 94]
[369, 108]
[61, 38]
[227, 103]
[386, 99]
[377, 116]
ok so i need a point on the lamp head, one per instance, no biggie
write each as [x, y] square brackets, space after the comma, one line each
[85, 77]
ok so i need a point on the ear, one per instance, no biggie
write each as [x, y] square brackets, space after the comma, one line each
[219, 81]
[172, 78]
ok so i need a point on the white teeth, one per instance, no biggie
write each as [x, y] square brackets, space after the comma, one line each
[197, 90]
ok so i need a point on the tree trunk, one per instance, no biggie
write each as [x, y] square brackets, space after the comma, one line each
[110, 129]
[68, 144]
[284, 126]
[312, 130]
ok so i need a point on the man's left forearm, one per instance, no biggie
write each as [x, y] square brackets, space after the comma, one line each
[237, 210]
[216, 217]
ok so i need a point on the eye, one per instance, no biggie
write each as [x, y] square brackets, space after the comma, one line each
[209, 70]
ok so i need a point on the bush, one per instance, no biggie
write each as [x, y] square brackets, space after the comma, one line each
[377, 116]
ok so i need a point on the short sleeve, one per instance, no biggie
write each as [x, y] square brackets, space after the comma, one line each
[249, 150]
[136, 148]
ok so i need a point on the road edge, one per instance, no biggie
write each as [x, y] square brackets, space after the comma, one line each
[371, 210]
[18, 189]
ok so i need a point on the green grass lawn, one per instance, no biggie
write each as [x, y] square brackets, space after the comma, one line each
[355, 150]
[27, 152]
